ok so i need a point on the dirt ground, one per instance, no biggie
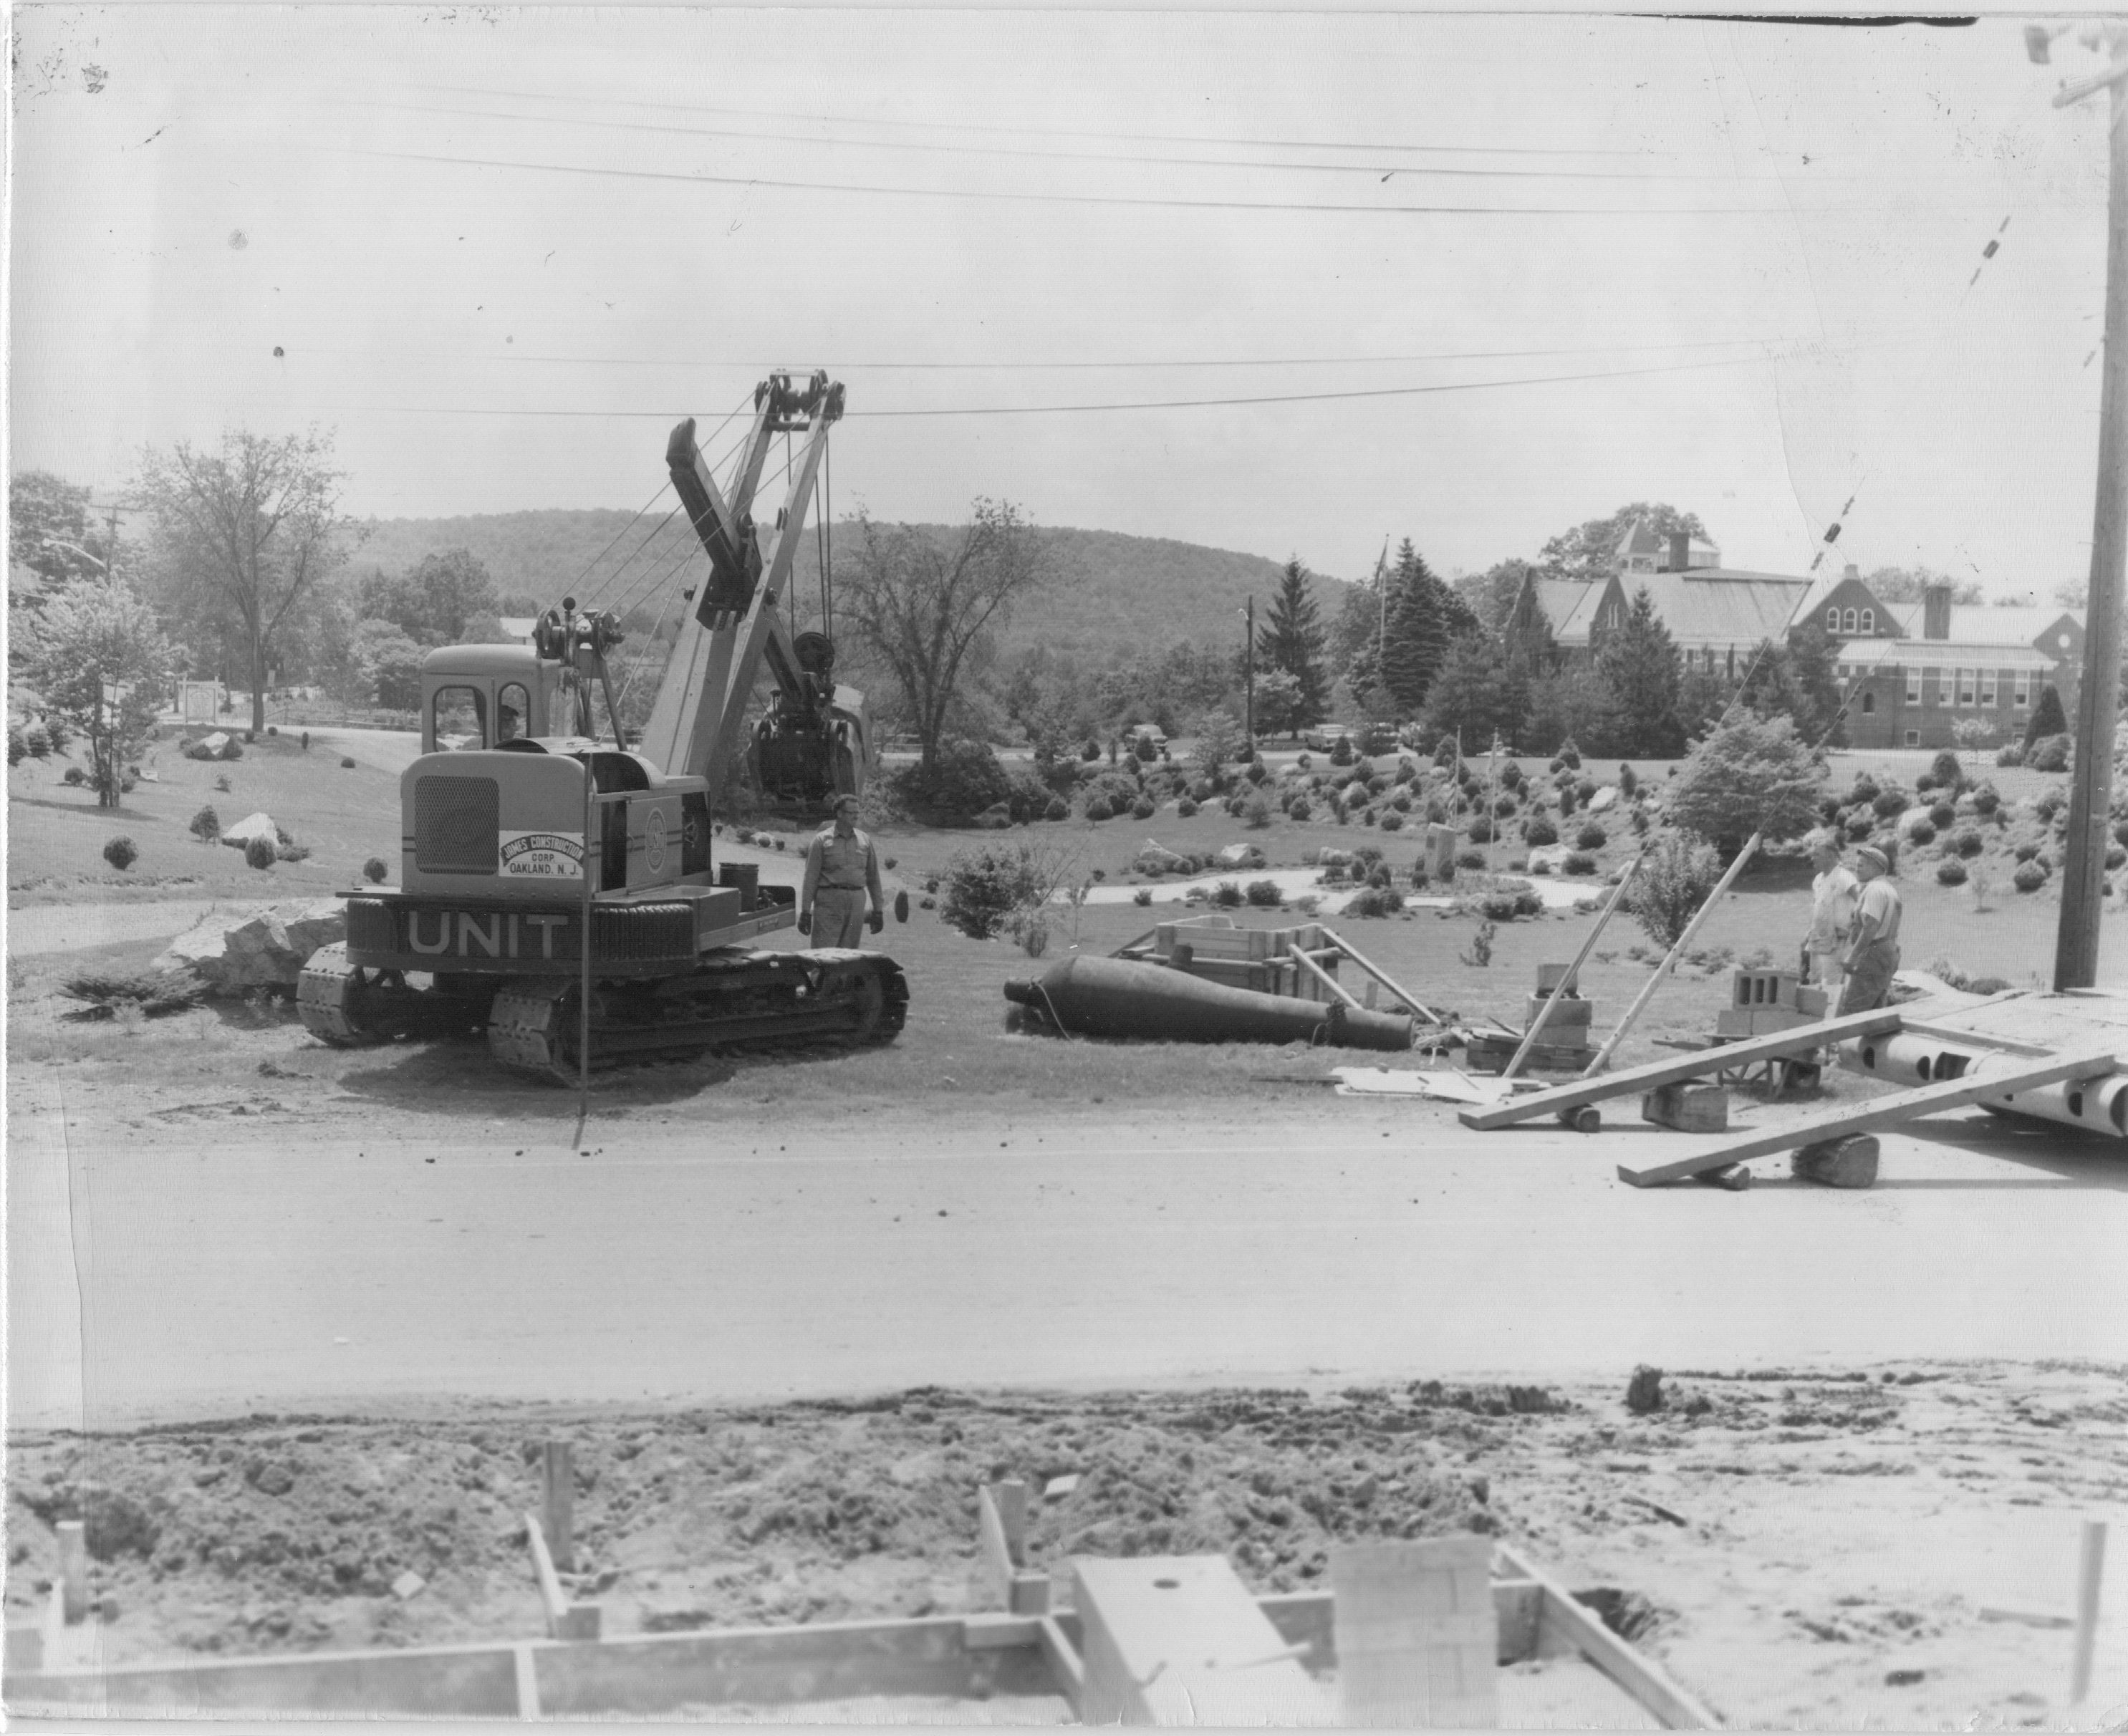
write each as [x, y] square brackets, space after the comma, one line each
[1810, 1549]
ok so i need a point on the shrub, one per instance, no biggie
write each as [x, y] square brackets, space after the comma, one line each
[1986, 801]
[1227, 895]
[1674, 880]
[1628, 782]
[346, 764]
[1091, 750]
[1265, 894]
[1185, 808]
[17, 749]
[1950, 872]
[1481, 830]
[1470, 858]
[289, 850]
[1367, 816]
[1299, 810]
[1480, 954]
[2026, 851]
[1419, 876]
[37, 742]
[1505, 807]
[1591, 837]
[1565, 800]
[1098, 809]
[2051, 802]
[1056, 809]
[1256, 812]
[1569, 757]
[1444, 751]
[1922, 832]
[259, 853]
[1539, 832]
[2050, 753]
[373, 871]
[1510, 776]
[121, 854]
[1946, 770]
[1578, 862]
[1889, 803]
[1143, 896]
[1408, 773]
[2116, 857]
[1375, 901]
[2030, 878]
[1393, 821]
[1943, 816]
[206, 825]
[1142, 809]
[985, 886]
[2010, 755]
[1968, 843]
[1341, 751]
[75, 774]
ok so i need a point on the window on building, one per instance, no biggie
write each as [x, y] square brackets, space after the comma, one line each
[2022, 695]
[1869, 703]
[1988, 687]
[1913, 738]
[1913, 686]
[1868, 622]
[1832, 620]
[1946, 686]
[1847, 622]
[1965, 686]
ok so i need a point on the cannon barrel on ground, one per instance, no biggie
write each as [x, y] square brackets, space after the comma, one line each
[1107, 997]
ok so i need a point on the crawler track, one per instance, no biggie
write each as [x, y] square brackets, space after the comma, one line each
[750, 1000]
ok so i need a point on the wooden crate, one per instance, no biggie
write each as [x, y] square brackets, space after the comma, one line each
[1220, 951]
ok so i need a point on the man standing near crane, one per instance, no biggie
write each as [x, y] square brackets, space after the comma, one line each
[841, 873]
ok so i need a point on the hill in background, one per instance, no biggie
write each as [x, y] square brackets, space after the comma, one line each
[1112, 595]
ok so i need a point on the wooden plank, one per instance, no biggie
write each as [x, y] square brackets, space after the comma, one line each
[994, 1551]
[558, 1502]
[2000, 1078]
[528, 1683]
[1938, 1031]
[1575, 1627]
[1066, 1669]
[1697, 1065]
[565, 1621]
[1559, 990]
[2091, 1563]
[1418, 1633]
[73, 1569]
[1323, 977]
[1376, 971]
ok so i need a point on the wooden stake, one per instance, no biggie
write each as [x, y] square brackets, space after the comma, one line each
[1567, 981]
[1381, 976]
[1669, 960]
[558, 1502]
[2091, 1562]
[73, 1570]
[1322, 976]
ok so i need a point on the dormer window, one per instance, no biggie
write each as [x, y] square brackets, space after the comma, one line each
[1868, 622]
[1832, 620]
[1849, 626]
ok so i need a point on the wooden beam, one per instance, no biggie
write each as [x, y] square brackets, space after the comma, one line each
[1573, 970]
[1418, 1633]
[558, 1502]
[1992, 1078]
[1066, 1668]
[2090, 1566]
[528, 1683]
[565, 1621]
[1937, 1031]
[1381, 976]
[73, 1569]
[1697, 1065]
[1323, 977]
[1573, 1626]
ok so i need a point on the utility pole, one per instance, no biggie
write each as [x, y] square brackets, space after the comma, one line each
[1249, 677]
[2083, 864]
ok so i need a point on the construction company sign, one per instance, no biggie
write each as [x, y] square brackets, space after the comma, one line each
[550, 855]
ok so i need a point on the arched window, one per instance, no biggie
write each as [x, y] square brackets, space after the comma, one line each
[1849, 626]
[1868, 622]
[1832, 620]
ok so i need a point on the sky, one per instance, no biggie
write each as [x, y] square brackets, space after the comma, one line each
[1289, 283]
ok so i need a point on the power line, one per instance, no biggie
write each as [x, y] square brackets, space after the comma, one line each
[1025, 152]
[1137, 200]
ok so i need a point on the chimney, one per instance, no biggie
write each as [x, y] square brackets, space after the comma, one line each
[1852, 572]
[1680, 551]
[1935, 612]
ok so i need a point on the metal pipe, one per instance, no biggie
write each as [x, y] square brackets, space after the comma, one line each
[1669, 960]
[2096, 1105]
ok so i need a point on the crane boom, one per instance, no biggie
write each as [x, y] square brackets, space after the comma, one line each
[737, 625]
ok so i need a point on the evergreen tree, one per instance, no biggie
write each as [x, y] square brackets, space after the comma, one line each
[1640, 667]
[2048, 718]
[1291, 641]
[1420, 627]
[1798, 679]
[1477, 691]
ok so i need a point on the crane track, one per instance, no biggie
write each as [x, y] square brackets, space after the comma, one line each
[752, 1001]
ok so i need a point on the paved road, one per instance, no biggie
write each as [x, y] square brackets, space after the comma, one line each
[227, 1270]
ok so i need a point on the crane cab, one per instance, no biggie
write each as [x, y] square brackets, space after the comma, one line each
[478, 696]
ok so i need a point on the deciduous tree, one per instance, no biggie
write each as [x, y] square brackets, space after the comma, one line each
[1751, 773]
[920, 603]
[252, 524]
[98, 660]
[1587, 550]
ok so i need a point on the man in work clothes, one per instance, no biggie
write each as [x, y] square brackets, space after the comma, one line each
[1873, 941]
[842, 871]
[1833, 895]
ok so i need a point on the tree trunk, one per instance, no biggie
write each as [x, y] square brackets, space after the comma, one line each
[257, 684]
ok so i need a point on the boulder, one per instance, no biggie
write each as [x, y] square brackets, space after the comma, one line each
[1910, 819]
[1241, 856]
[251, 826]
[267, 948]
[1552, 857]
[219, 745]
[1604, 800]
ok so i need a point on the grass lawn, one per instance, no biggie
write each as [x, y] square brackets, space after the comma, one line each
[56, 833]
[955, 1046]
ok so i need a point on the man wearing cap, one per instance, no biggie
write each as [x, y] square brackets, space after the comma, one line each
[1872, 939]
[842, 871]
[1832, 899]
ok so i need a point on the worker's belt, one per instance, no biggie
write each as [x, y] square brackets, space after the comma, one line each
[829, 886]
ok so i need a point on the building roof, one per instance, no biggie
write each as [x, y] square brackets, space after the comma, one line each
[1863, 655]
[1568, 605]
[1720, 608]
[1987, 623]
[1643, 539]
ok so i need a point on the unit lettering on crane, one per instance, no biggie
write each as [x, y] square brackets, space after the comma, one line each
[526, 934]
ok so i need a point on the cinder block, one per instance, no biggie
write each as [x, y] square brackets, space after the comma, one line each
[1550, 976]
[1733, 1022]
[1693, 1107]
[1815, 1003]
[1566, 1015]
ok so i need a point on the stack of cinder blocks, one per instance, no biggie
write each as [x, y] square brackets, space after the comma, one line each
[1762, 1002]
[1568, 1027]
